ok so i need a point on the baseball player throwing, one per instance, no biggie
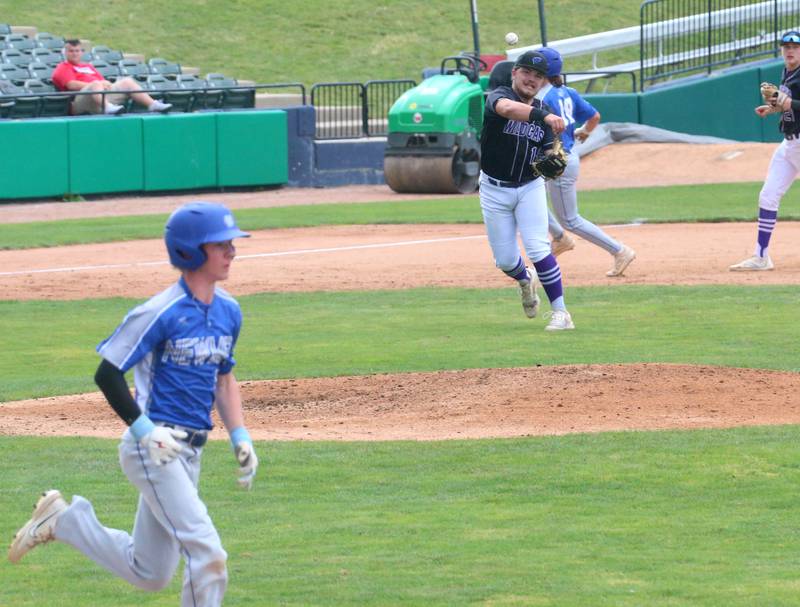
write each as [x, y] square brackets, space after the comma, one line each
[180, 346]
[518, 129]
[562, 190]
[785, 163]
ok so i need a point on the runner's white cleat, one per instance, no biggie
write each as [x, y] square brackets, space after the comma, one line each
[753, 264]
[40, 529]
[560, 320]
[530, 300]
[621, 261]
[562, 245]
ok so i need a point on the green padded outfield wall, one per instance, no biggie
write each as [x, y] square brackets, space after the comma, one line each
[727, 112]
[769, 125]
[105, 155]
[617, 107]
[252, 148]
[180, 151]
[33, 158]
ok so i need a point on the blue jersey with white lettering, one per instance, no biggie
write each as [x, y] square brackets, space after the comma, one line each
[509, 146]
[177, 346]
[567, 103]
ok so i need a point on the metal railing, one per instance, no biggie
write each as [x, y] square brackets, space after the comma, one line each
[684, 37]
[347, 110]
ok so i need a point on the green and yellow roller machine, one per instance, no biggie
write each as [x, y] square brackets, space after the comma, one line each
[434, 129]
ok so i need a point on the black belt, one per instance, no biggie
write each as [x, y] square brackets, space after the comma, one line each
[195, 438]
[791, 136]
[507, 184]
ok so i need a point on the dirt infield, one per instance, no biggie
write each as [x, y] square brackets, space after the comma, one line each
[453, 404]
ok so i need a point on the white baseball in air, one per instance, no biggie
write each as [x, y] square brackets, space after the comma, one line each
[511, 38]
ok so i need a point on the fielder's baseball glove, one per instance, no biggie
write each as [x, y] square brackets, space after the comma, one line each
[551, 165]
[769, 92]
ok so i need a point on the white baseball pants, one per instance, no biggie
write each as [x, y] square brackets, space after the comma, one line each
[171, 522]
[508, 210]
[783, 169]
[563, 193]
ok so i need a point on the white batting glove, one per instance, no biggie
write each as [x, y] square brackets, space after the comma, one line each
[248, 464]
[161, 444]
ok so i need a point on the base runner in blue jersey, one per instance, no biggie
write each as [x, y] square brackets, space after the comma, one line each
[518, 130]
[562, 190]
[785, 164]
[180, 345]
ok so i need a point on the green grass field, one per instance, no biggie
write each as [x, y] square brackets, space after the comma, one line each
[703, 203]
[698, 518]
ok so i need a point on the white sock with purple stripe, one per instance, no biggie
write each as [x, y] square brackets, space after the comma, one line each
[766, 224]
[550, 276]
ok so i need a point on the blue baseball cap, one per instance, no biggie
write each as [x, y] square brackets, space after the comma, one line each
[533, 60]
[790, 37]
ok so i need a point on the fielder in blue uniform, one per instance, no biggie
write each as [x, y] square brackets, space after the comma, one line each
[518, 129]
[562, 190]
[180, 346]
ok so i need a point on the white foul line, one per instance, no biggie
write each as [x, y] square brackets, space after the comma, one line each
[252, 256]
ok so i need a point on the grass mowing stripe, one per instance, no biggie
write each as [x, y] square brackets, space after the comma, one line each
[343, 333]
[639, 518]
[716, 202]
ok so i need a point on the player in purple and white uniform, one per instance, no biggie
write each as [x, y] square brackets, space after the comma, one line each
[180, 347]
[562, 190]
[516, 130]
[785, 163]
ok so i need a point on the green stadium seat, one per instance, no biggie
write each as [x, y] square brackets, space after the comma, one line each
[49, 41]
[5, 106]
[108, 71]
[19, 107]
[49, 105]
[15, 56]
[133, 68]
[17, 74]
[104, 53]
[242, 98]
[181, 101]
[166, 68]
[47, 55]
[20, 42]
[41, 71]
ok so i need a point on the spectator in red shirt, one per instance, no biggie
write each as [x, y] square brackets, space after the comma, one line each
[72, 75]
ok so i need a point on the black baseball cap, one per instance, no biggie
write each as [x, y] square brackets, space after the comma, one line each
[790, 37]
[533, 60]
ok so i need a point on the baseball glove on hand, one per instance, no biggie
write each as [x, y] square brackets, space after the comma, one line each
[769, 93]
[773, 100]
[551, 165]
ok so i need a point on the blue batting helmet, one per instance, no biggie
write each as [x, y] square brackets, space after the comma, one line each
[195, 224]
[554, 61]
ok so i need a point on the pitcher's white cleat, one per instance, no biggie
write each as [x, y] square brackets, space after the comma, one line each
[562, 245]
[38, 530]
